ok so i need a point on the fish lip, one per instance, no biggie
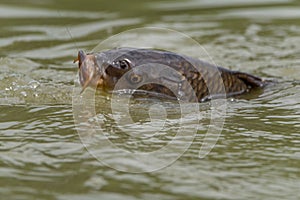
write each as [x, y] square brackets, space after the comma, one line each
[88, 71]
[81, 57]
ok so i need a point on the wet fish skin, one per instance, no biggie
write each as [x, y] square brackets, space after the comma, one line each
[172, 74]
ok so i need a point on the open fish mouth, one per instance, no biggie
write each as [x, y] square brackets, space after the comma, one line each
[88, 76]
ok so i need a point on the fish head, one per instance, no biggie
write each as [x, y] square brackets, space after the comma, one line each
[129, 68]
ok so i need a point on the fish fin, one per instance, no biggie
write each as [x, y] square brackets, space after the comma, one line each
[250, 80]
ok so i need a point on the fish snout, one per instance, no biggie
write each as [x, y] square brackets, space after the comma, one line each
[88, 70]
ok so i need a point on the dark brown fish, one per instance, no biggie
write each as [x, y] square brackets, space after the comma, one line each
[161, 72]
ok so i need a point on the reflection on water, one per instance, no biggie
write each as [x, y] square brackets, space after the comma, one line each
[41, 155]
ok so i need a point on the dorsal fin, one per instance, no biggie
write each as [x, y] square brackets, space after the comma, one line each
[250, 80]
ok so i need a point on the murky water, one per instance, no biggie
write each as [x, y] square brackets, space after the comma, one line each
[257, 155]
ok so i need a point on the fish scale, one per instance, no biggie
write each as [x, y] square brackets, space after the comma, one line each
[190, 76]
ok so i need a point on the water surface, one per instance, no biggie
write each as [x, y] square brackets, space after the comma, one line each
[257, 155]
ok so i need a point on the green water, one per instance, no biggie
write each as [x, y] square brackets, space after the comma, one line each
[257, 155]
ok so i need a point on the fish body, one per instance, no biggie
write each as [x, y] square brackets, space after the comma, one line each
[161, 72]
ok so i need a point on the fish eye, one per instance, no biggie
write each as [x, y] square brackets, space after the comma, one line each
[124, 64]
[135, 78]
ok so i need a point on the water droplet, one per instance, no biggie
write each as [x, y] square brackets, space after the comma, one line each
[34, 84]
[180, 93]
[23, 93]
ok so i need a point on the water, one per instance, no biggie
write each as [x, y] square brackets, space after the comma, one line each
[256, 157]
